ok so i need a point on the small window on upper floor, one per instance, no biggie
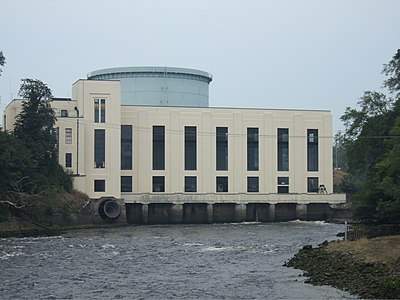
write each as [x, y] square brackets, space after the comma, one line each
[64, 113]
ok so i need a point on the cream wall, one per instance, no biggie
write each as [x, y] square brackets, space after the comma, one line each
[237, 120]
[142, 118]
[85, 91]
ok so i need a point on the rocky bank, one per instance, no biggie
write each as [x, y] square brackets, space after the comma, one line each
[348, 272]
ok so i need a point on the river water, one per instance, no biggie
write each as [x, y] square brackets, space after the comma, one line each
[220, 261]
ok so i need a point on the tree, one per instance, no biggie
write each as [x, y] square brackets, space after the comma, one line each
[34, 127]
[372, 143]
[2, 60]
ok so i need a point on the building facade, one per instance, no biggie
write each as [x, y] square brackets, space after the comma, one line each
[175, 153]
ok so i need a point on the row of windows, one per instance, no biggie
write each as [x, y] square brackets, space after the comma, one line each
[158, 184]
[222, 151]
[190, 152]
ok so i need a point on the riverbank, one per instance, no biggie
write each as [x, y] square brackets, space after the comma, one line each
[369, 268]
[24, 228]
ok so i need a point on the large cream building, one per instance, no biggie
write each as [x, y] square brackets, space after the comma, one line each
[163, 151]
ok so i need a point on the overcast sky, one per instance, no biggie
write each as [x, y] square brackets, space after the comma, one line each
[312, 54]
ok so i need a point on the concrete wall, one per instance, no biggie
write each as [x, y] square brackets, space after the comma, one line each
[195, 213]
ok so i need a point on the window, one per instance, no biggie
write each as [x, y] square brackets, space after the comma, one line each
[68, 135]
[68, 160]
[312, 149]
[64, 113]
[283, 185]
[312, 184]
[222, 148]
[190, 184]
[252, 184]
[99, 148]
[190, 148]
[126, 184]
[126, 147]
[283, 149]
[158, 148]
[252, 149]
[99, 185]
[158, 184]
[99, 110]
[222, 184]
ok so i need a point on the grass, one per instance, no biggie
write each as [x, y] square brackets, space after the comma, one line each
[384, 249]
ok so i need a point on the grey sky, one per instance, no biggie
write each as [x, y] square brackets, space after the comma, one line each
[312, 54]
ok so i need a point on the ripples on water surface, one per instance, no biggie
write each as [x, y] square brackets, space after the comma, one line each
[231, 261]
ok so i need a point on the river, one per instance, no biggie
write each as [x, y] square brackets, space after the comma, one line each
[215, 261]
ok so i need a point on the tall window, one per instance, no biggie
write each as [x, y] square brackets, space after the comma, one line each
[190, 148]
[252, 149]
[99, 110]
[190, 184]
[222, 184]
[126, 184]
[126, 147]
[283, 149]
[222, 148]
[99, 148]
[312, 149]
[158, 184]
[68, 160]
[68, 135]
[158, 147]
[252, 184]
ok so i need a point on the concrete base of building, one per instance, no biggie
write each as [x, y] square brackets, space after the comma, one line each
[197, 213]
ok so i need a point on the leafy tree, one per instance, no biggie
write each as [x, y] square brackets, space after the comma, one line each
[2, 60]
[15, 162]
[372, 142]
[34, 127]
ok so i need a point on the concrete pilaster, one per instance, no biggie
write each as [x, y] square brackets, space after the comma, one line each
[240, 212]
[176, 213]
[145, 214]
[210, 213]
[271, 212]
[301, 211]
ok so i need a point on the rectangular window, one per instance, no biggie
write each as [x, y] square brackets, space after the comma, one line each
[158, 147]
[312, 184]
[99, 185]
[190, 184]
[126, 147]
[126, 184]
[99, 110]
[312, 149]
[68, 160]
[283, 149]
[158, 184]
[252, 149]
[64, 113]
[222, 148]
[283, 185]
[68, 135]
[252, 184]
[222, 184]
[190, 148]
[99, 148]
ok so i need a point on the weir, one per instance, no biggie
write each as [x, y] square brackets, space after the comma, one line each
[216, 208]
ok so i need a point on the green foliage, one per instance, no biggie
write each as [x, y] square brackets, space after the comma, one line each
[34, 128]
[2, 60]
[391, 288]
[372, 143]
[15, 162]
